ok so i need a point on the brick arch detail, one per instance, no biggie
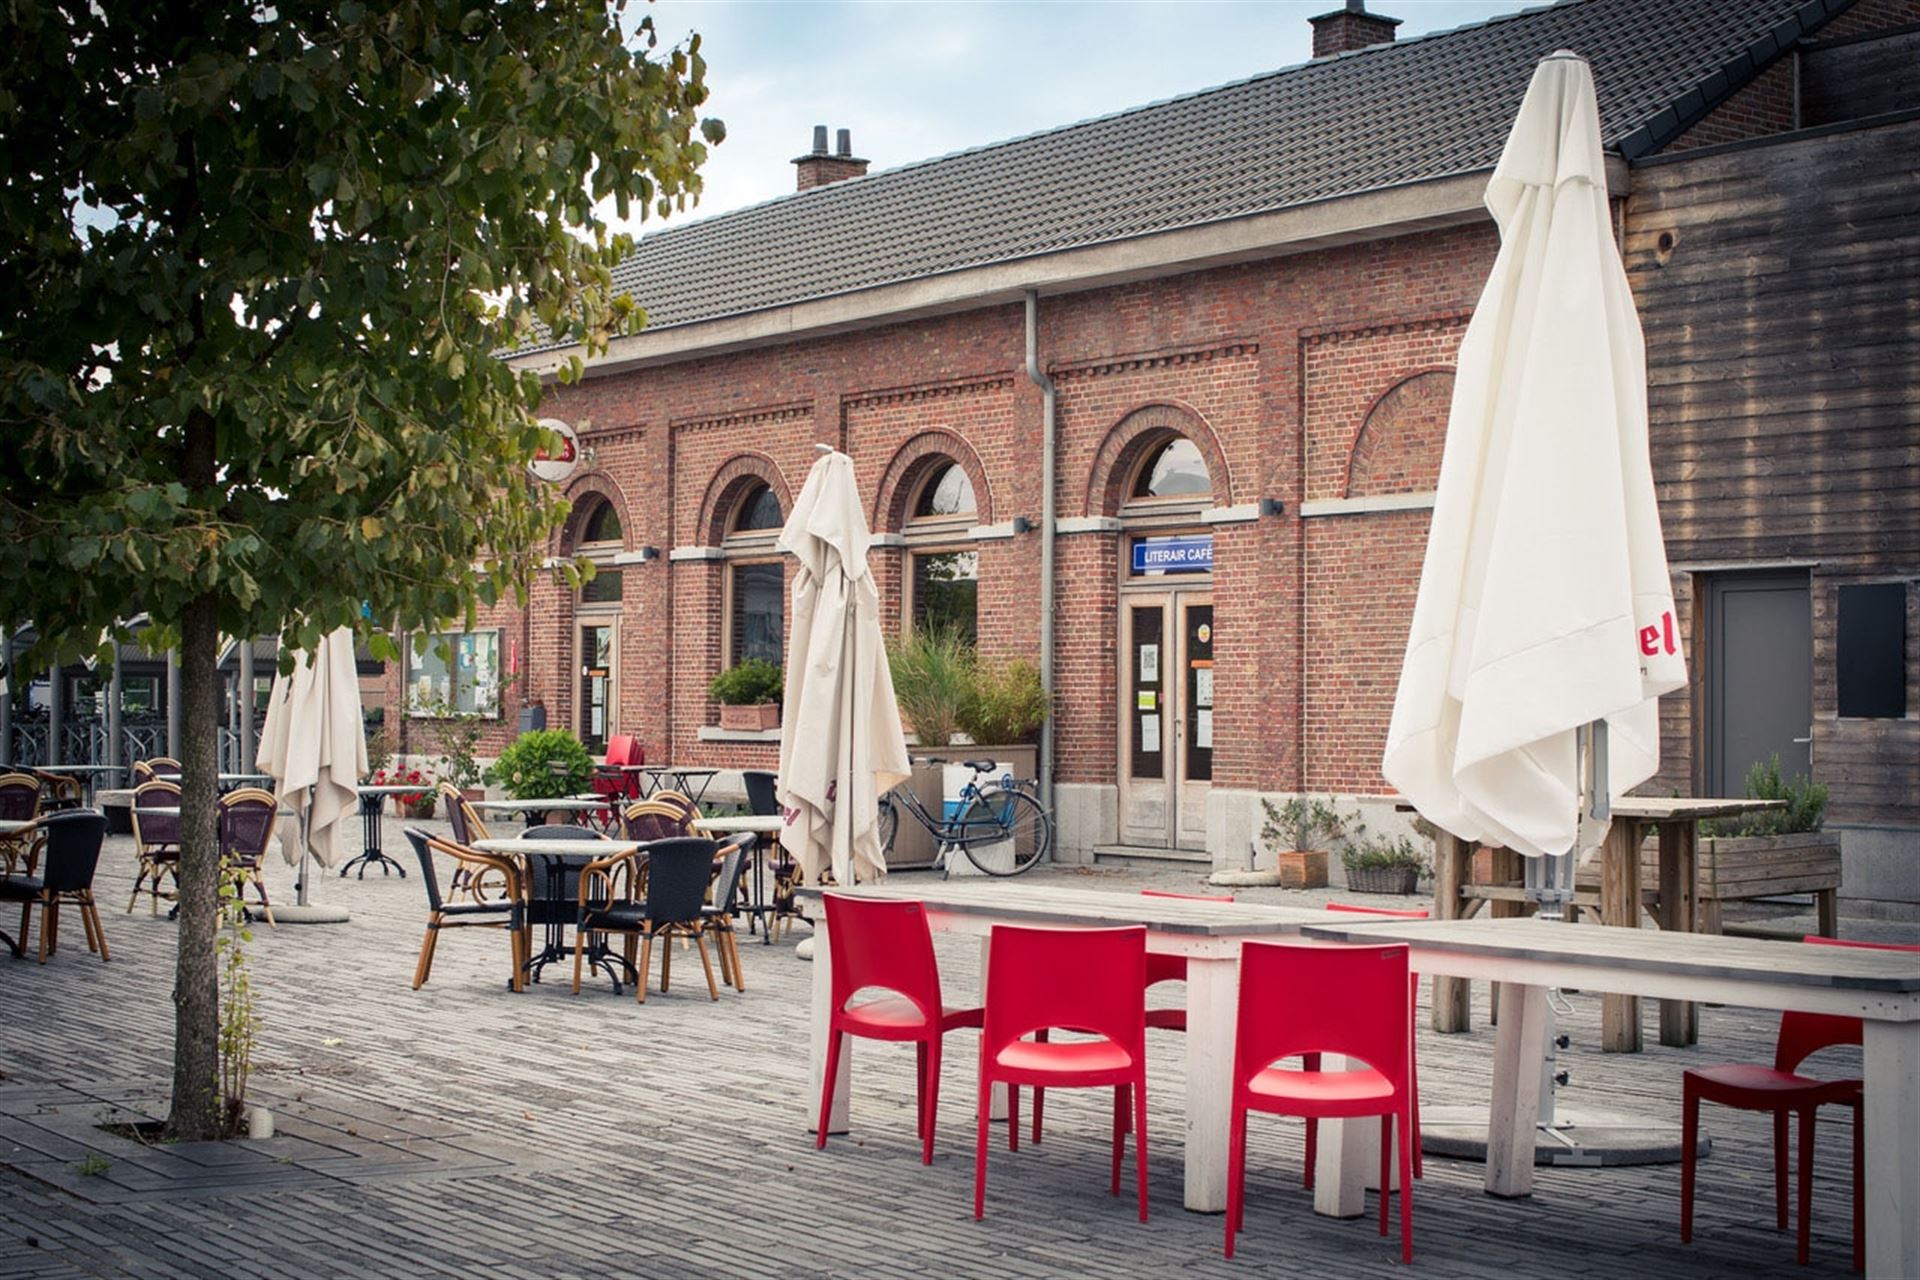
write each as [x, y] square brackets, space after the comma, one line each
[735, 475]
[1398, 446]
[1139, 431]
[594, 484]
[910, 464]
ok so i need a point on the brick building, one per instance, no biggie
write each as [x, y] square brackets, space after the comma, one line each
[1235, 315]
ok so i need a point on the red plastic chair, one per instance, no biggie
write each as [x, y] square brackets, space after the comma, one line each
[1298, 1000]
[1087, 980]
[1781, 1090]
[615, 783]
[1413, 1064]
[1160, 968]
[876, 943]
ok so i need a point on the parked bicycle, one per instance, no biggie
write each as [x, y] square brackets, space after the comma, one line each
[1000, 827]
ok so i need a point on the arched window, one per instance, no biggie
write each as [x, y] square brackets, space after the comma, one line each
[1174, 469]
[943, 582]
[602, 525]
[946, 492]
[758, 509]
[756, 577]
[599, 540]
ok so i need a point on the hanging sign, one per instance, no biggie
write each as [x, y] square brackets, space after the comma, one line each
[556, 464]
[1187, 553]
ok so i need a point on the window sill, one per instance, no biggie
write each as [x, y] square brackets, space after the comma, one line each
[714, 733]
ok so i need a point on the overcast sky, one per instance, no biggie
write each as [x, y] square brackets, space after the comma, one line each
[916, 80]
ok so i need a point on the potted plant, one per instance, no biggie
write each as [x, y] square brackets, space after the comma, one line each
[749, 695]
[459, 733]
[1300, 832]
[1383, 864]
[933, 681]
[547, 764]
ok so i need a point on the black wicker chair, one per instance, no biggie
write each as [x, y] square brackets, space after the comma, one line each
[509, 912]
[676, 874]
[716, 918]
[71, 842]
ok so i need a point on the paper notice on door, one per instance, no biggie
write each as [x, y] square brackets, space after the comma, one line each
[1203, 728]
[1150, 734]
[1149, 664]
[1203, 686]
[1148, 699]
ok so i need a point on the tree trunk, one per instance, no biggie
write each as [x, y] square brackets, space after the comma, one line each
[196, 990]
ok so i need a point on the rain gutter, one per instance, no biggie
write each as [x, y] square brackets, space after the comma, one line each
[1047, 452]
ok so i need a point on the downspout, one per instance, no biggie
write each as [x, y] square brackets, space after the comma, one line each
[1047, 450]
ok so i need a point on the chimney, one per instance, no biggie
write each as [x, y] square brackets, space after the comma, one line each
[1350, 28]
[817, 168]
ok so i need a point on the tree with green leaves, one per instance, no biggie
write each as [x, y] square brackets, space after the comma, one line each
[255, 263]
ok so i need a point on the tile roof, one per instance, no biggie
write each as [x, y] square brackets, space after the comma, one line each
[1379, 117]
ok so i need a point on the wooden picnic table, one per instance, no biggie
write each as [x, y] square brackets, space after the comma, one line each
[1676, 821]
[1208, 934]
[1526, 957]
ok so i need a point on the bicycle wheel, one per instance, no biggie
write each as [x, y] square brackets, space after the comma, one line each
[1003, 832]
[889, 823]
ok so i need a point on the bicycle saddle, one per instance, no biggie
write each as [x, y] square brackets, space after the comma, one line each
[978, 766]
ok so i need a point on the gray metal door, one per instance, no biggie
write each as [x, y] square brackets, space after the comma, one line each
[1759, 677]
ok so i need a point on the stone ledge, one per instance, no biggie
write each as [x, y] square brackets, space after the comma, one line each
[714, 733]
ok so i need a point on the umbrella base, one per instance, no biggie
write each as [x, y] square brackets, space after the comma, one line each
[1578, 1138]
[803, 949]
[302, 915]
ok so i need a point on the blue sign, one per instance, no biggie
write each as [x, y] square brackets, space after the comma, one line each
[1190, 553]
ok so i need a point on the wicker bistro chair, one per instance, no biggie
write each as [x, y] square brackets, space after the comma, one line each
[19, 802]
[156, 839]
[675, 875]
[72, 842]
[677, 800]
[155, 767]
[763, 800]
[650, 820]
[467, 828]
[58, 790]
[246, 826]
[508, 913]
[716, 917]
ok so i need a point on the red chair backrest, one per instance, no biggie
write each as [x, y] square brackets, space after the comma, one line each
[1314, 999]
[621, 749]
[1164, 968]
[1091, 980]
[1804, 1034]
[875, 942]
[1416, 914]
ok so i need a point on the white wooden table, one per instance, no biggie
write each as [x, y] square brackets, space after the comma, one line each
[1528, 956]
[1208, 934]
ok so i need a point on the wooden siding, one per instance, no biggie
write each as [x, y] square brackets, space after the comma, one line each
[1779, 286]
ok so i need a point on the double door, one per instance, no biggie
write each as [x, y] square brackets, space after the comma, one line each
[1166, 718]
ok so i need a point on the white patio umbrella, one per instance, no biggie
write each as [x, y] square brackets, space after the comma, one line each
[314, 745]
[841, 744]
[1545, 602]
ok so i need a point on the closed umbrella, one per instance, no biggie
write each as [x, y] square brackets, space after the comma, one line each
[841, 744]
[314, 745]
[1545, 603]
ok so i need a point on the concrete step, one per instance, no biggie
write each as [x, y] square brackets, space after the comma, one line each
[1148, 856]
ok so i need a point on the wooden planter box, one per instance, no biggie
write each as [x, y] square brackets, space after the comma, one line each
[760, 715]
[1731, 868]
[1302, 868]
[1383, 879]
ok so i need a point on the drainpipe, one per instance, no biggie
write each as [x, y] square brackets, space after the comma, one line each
[1047, 449]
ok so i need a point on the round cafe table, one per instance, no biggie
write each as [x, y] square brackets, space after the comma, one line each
[371, 854]
[553, 899]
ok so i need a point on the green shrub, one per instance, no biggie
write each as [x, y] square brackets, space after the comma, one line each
[1306, 824]
[752, 682]
[1007, 706]
[543, 765]
[1383, 851]
[933, 681]
[1805, 808]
